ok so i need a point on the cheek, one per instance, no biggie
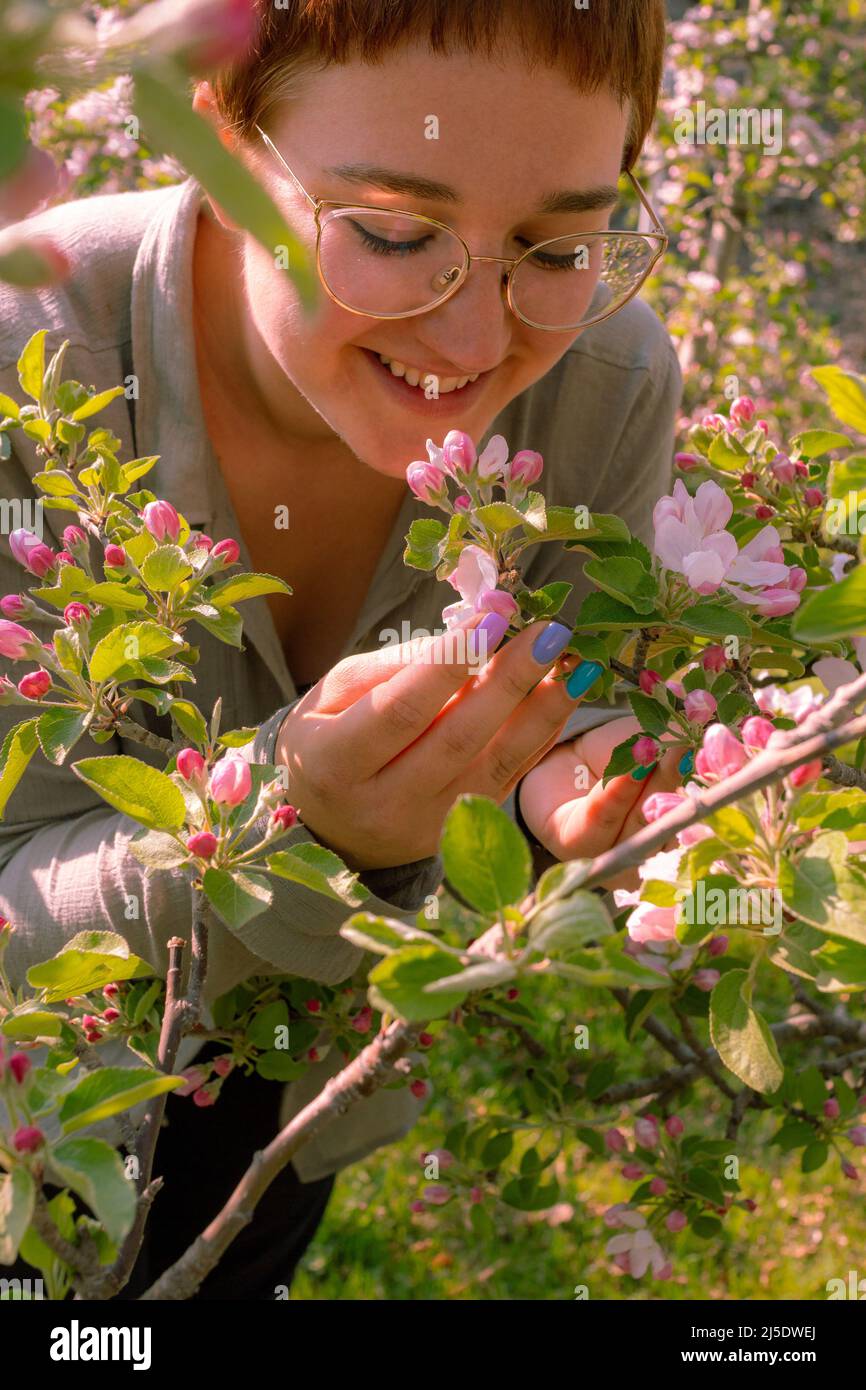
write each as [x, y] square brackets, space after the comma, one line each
[304, 344]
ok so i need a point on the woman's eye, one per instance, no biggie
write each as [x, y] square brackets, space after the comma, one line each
[546, 260]
[388, 246]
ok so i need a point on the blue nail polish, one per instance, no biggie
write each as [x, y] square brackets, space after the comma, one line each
[493, 628]
[640, 774]
[549, 643]
[686, 763]
[582, 677]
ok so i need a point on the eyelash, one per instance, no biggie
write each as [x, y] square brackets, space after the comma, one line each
[389, 248]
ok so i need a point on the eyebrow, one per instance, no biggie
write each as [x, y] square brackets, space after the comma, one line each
[414, 186]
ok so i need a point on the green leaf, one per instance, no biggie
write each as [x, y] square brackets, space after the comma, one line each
[278, 1065]
[19, 745]
[600, 1078]
[599, 611]
[8, 406]
[110, 1090]
[564, 524]
[135, 469]
[566, 923]
[714, 620]
[166, 568]
[733, 827]
[96, 403]
[621, 760]
[486, 859]
[727, 453]
[525, 1194]
[162, 102]
[238, 898]
[190, 720]
[114, 657]
[156, 850]
[397, 984]
[89, 960]
[653, 716]
[17, 1198]
[423, 543]
[241, 586]
[811, 444]
[29, 1021]
[93, 1169]
[227, 627]
[382, 935]
[625, 579]
[136, 789]
[741, 1036]
[262, 1031]
[237, 738]
[823, 889]
[31, 365]
[811, 1090]
[815, 1155]
[837, 611]
[847, 475]
[488, 974]
[56, 482]
[321, 870]
[847, 395]
[58, 731]
[500, 517]
[115, 595]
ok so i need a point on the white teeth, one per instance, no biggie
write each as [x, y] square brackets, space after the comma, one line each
[413, 377]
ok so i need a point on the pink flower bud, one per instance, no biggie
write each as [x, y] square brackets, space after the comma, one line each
[203, 1097]
[632, 1171]
[646, 1131]
[19, 1065]
[15, 641]
[659, 803]
[34, 685]
[802, 468]
[748, 478]
[437, 1195]
[115, 556]
[497, 601]
[194, 1078]
[742, 410]
[230, 781]
[805, 773]
[750, 1205]
[714, 659]
[417, 1206]
[31, 552]
[676, 688]
[462, 502]
[706, 980]
[493, 458]
[76, 613]
[832, 1109]
[425, 1039]
[444, 1157]
[313, 1006]
[756, 731]
[813, 497]
[28, 1139]
[674, 1126]
[419, 1089]
[111, 991]
[720, 755]
[763, 425]
[458, 452]
[717, 945]
[228, 552]
[645, 751]
[363, 1020]
[13, 606]
[686, 462]
[849, 1170]
[313, 1054]
[658, 1187]
[615, 1140]
[203, 844]
[284, 818]
[111, 1015]
[763, 512]
[162, 521]
[857, 1135]
[200, 541]
[526, 467]
[700, 706]
[88, 1021]
[426, 481]
[648, 680]
[64, 558]
[676, 1221]
[714, 422]
[73, 536]
[190, 764]
[92, 1035]
[223, 1065]
[783, 469]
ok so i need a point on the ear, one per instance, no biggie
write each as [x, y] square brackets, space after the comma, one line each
[204, 104]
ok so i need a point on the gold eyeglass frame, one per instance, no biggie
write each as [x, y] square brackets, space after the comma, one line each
[657, 236]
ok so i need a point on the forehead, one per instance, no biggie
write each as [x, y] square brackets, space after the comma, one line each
[491, 127]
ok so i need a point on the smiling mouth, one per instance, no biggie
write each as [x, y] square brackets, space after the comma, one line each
[422, 379]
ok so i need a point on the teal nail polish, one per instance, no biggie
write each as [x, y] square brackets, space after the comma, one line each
[686, 763]
[640, 774]
[582, 677]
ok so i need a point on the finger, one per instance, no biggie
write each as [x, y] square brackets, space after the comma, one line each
[592, 823]
[394, 713]
[666, 777]
[467, 729]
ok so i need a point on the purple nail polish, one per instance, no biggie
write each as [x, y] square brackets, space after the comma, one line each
[485, 638]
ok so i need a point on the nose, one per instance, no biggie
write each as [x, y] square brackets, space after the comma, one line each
[474, 326]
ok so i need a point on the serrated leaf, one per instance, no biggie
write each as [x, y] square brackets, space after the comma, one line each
[58, 731]
[166, 568]
[741, 1036]
[93, 1169]
[238, 898]
[321, 870]
[136, 789]
[109, 1091]
[89, 960]
[19, 745]
[17, 1199]
[397, 984]
[243, 586]
[486, 859]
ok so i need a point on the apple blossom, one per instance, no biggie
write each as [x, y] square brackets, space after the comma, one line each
[757, 731]
[75, 613]
[648, 680]
[676, 1221]
[228, 552]
[742, 410]
[190, 764]
[204, 1096]
[231, 780]
[636, 1251]
[474, 577]
[161, 520]
[17, 642]
[764, 512]
[717, 945]
[720, 754]
[223, 1065]
[493, 458]
[706, 980]
[857, 1135]
[714, 659]
[813, 497]
[31, 552]
[19, 1066]
[27, 1139]
[526, 467]
[645, 751]
[804, 774]
[646, 1131]
[426, 481]
[632, 1171]
[362, 1021]
[700, 706]
[203, 844]
[748, 478]
[35, 684]
[832, 1108]
[615, 1140]
[419, 1089]
[283, 818]
[686, 462]
[13, 606]
[458, 453]
[674, 1126]
[658, 1187]
[115, 556]
[73, 537]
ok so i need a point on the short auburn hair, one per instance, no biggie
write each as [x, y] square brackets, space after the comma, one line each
[613, 43]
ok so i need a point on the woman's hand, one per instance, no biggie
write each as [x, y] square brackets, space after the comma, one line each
[573, 815]
[378, 751]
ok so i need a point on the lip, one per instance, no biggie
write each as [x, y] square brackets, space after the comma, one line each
[413, 398]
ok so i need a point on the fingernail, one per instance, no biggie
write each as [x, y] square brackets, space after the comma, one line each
[549, 643]
[586, 674]
[484, 638]
[686, 763]
[640, 773]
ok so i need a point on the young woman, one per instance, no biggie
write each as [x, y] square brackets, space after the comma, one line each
[422, 150]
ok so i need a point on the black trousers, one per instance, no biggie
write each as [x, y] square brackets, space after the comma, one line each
[201, 1155]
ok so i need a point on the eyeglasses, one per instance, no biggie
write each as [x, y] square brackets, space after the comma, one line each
[386, 264]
